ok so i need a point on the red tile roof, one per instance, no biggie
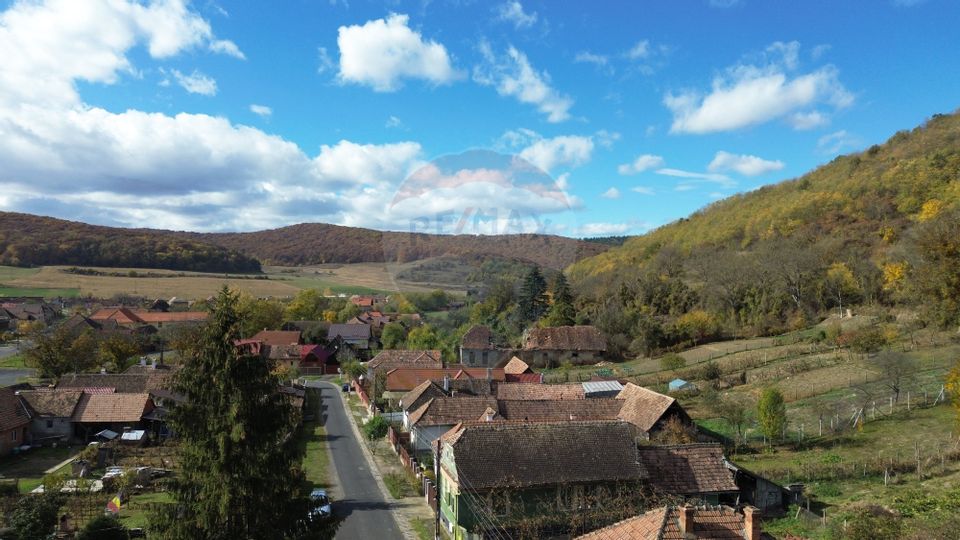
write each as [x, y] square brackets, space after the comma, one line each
[702, 523]
[278, 337]
[643, 408]
[394, 358]
[478, 337]
[516, 366]
[110, 408]
[123, 315]
[404, 379]
[517, 391]
[526, 378]
[13, 415]
[53, 403]
[688, 469]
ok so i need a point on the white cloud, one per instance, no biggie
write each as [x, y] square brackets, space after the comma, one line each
[324, 62]
[567, 150]
[744, 164]
[803, 121]
[836, 142]
[563, 181]
[643, 163]
[640, 50]
[586, 57]
[393, 122]
[383, 52]
[603, 229]
[227, 47]
[612, 193]
[512, 75]
[642, 190]
[261, 110]
[819, 50]
[196, 83]
[512, 12]
[709, 177]
[750, 94]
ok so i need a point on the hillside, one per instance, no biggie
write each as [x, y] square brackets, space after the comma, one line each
[867, 199]
[319, 243]
[27, 240]
[877, 229]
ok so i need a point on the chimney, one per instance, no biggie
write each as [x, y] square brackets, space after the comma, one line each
[446, 383]
[685, 516]
[751, 523]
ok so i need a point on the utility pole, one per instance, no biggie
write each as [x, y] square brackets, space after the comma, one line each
[436, 496]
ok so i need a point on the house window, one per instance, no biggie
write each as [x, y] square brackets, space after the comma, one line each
[49, 424]
[473, 357]
[13, 435]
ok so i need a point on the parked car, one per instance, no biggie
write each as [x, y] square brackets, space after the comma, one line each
[345, 387]
[320, 504]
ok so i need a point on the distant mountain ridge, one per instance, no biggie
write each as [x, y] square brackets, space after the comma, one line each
[29, 240]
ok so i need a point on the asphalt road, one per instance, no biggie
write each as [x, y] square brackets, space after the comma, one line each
[367, 513]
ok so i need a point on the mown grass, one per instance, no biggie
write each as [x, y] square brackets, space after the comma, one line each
[136, 513]
[16, 361]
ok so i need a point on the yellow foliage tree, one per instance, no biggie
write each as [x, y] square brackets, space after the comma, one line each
[930, 210]
[894, 274]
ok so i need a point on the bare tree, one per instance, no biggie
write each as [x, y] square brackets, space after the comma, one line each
[896, 368]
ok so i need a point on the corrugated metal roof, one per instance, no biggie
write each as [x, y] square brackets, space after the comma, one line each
[594, 387]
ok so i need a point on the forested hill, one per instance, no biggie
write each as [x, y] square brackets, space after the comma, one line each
[28, 240]
[864, 201]
[316, 243]
[880, 228]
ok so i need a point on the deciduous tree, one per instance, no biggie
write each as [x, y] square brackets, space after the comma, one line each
[772, 413]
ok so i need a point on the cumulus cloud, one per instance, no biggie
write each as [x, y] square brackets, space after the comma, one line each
[612, 193]
[640, 50]
[196, 83]
[586, 57]
[261, 110]
[802, 121]
[643, 163]
[754, 93]
[393, 122]
[512, 12]
[744, 164]
[512, 75]
[566, 150]
[602, 229]
[227, 47]
[383, 52]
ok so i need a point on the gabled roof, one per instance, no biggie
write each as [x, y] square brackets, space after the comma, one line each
[278, 337]
[419, 395]
[393, 358]
[126, 383]
[516, 366]
[125, 315]
[559, 411]
[450, 410]
[122, 315]
[494, 454]
[643, 408]
[404, 379]
[109, 408]
[565, 338]
[284, 352]
[478, 337]
[520, 391]
[53, 403]
[705, 522]
[688, 469]
[13, 415]
[348, 331]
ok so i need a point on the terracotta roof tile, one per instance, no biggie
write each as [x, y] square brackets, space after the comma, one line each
[426, 390]
[703, 523]
[565, 338]
[557, 411]
[12, 412]
[520, 391]
[278, 337]
[689, 469]
[647, 526]
[54, 403]
[516, 366]
[404, 379]
[124, 383]
[394, 358]
[643, 408]
[109, 408]
[478, 337]
[451, 410]
[494, 454]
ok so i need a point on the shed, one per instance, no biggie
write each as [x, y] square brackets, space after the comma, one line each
[678, 385]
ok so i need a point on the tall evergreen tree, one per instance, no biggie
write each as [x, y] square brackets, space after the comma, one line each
[562, 312]
[239, 475]
[532, 301]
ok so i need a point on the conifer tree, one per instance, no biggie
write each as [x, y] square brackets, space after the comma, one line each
[532, 301]
[239, 474]
[562, 312]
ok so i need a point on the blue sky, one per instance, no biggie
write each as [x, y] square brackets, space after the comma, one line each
[248, 115]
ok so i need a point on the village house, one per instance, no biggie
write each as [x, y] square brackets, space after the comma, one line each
[551, 347]
[517, 370]
[14, 421]
[553, 392]
[514, 470]
[365, 303]
[25, 310]
[125, 316]
[402, 380]
[51, 412]
[685, 522]
[762, 492]
[115, 412]
[694, 471]
[389, 359]
[650, 411]
[477, 348]
[357, 336]
[278, 338]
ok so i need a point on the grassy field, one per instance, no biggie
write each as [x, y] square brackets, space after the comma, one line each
[281, 282]
[13, 362]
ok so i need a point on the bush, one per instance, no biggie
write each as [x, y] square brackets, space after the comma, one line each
[104, 528]
[376, 428]
[672, 361]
